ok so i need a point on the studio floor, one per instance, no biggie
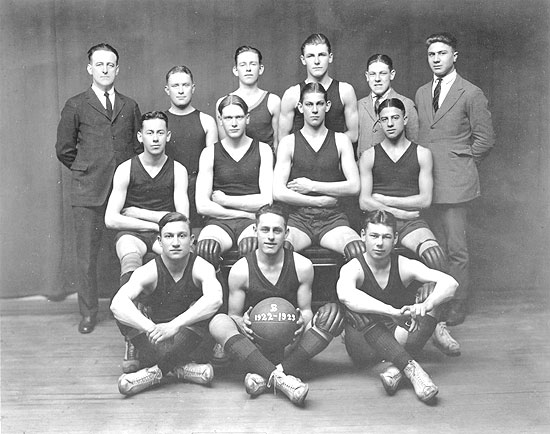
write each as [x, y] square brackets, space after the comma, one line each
[55, 380]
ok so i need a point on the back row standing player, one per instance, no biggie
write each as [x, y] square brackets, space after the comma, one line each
[342, 117]
[191, 129]
[263, 107]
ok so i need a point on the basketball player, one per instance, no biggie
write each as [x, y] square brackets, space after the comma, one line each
[272, 271]
[145, 188]
[315, 168]
[263, 106]
[192, 130]
[386, 319]
[179, 293]
[234, 181]
[396, 176]
[342, 117]
[380, 74]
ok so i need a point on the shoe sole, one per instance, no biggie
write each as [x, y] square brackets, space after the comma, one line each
[446, 350]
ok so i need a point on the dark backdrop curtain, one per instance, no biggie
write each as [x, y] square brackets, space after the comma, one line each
[503, 49]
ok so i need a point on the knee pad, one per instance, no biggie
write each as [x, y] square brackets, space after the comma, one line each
[434, 257]
[330, 319]
[210, 250]
[130, 262]
[354, 249]
[247, 245]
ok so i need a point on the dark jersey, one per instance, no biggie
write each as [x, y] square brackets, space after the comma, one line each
[237, 178]
[171, 298]
[399, 178]
[323, 165]
[260, 126]
[335, 119]
[395, 293]
[155, 194]
[259, 288]
[187, 141]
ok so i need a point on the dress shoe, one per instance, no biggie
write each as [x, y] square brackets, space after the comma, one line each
[457, 312]
[87, 324]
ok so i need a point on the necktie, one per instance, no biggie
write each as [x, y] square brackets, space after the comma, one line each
[108, 105]
[377, 103]
[437, 92]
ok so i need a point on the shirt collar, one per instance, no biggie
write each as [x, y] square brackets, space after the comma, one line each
[101, 93]
[449, 78]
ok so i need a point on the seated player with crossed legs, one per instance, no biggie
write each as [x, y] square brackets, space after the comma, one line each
[386, 318]
[273, 271]
[145, 188]
[177, 293]
[234, 181]
[396, 176]
[315, 169]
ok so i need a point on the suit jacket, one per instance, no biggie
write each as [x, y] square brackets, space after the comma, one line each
[459, 135]
[91, 145]
[370, 130]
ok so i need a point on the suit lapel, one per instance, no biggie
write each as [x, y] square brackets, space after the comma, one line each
[119, 104]
[367, 103]
[93, 100]
[456, 90]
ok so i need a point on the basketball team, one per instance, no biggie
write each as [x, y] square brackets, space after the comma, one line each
[270, 177]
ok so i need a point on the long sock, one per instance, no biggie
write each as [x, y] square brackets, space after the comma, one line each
[385, 345]
[417, 339]
[249, 355]
[184, 343]
[311, 344]
[130, 262]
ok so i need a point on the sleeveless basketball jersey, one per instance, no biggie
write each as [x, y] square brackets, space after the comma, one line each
[400, 178]
[323, 165]
[237, 178]
[156, 194]
[259, 288]
[171, 298]
[260, 126]
[334, 119]
[187, 141]
[395, 294]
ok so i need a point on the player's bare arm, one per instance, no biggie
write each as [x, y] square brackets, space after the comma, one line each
[349, 100]
[210, 128]
[238, 286]
[288, 104]
[252, 202]
[281, 191]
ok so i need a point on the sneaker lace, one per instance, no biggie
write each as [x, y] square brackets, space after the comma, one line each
[151, 376]
[279, 379]
[194, 369]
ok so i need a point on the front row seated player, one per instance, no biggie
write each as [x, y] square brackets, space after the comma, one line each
[386, 319]
[234, 181]
[396, 176]
[164, 309]
[273, 271]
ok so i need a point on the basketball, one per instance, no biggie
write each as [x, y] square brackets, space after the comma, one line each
[274, 322]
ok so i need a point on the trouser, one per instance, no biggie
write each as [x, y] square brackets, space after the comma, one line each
[89, 226]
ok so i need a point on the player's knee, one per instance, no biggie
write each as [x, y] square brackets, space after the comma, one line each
[210, 250]
[354, 249]
[434, 257]
[130, 262]
[247, 245]
[330, 319]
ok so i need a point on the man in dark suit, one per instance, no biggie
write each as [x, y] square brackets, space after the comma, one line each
[97, 132]
[455, 124]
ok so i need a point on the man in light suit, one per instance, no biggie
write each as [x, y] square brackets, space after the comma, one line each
[97, 132]
[380, 74]
[455, 124]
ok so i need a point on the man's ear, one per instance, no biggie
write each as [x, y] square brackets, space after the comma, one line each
[140, 136]
[89, 68]
[300, 107]
[235, 71]
[328, 106]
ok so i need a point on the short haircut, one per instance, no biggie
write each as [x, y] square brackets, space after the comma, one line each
[154, 115]
[444, 37]
[173, 217]
[177, 69]
[383, 58]
[391, 102]
[277, 208]
[316, 39]
[102, 47]
[380, 217]
[246, 48]
[232, 100]
[313, 88]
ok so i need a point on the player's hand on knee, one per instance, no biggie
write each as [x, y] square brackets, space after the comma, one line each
[330, 319]
[245, 325]
[162, 332]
